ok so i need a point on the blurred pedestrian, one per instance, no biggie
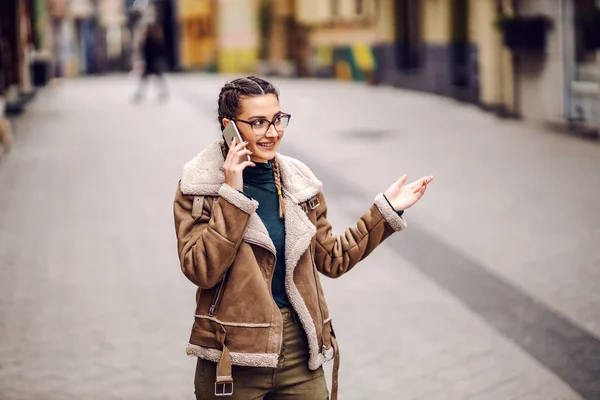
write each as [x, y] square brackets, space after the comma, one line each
[153, 54]
[252, 235]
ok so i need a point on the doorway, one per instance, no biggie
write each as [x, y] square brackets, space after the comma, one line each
[459, 51]
[407, 34]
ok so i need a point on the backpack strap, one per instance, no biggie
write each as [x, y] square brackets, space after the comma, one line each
[197, 206]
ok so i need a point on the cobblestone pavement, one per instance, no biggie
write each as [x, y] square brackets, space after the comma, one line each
[493, 292]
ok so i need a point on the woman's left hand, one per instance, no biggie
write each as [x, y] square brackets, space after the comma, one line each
[404, 196]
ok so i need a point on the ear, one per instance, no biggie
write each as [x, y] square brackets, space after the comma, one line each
[225, 122]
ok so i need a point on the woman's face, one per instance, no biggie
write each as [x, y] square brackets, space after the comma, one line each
[262, 107]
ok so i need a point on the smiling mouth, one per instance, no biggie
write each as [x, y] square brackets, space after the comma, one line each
[267, 145]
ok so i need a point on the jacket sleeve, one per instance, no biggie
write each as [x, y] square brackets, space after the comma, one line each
[337, 254]
[207, 243]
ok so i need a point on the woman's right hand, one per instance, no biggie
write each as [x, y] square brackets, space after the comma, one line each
[235, 163]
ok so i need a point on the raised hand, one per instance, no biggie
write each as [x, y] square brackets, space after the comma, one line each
[404, 196]
[235, 163]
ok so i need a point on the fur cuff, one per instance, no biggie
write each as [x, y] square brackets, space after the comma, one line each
[321, 359]
[389, 214]
[238, 199]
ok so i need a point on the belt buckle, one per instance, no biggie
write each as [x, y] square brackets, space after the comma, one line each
[223, 389]
[314, 203]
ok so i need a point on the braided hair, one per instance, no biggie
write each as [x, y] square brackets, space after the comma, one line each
[230, 106]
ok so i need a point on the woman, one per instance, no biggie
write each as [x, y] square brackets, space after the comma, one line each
[252, 235]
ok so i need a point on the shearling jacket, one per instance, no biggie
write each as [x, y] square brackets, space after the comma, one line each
[225, 250]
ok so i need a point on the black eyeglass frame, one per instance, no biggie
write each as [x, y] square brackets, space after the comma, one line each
[289, 116]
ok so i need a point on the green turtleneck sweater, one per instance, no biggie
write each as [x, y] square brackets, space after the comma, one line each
[259, 184]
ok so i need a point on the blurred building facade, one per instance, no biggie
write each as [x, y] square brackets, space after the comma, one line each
[560, 83]
[197, 22]
[239, 36]
[45, 39]
[86, 36]
[17, 44]
[448, 47]
[469, 50]
[580, 37]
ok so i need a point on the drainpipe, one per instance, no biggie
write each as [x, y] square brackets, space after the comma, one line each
[597, 127]
[567, 51]
[516, 69]
[509, 7]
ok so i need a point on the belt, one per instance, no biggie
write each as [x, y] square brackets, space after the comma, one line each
[224, 381]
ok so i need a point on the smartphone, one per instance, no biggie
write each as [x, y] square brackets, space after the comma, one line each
[231, 132]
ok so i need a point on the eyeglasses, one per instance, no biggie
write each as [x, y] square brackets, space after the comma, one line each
[262, 126]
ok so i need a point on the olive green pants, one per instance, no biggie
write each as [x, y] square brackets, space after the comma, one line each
[290, 380]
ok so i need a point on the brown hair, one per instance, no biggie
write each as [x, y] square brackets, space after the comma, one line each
[230, 106]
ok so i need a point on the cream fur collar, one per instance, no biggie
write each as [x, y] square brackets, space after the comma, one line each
[203, 176]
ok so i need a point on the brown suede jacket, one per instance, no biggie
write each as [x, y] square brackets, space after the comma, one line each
[224, 249]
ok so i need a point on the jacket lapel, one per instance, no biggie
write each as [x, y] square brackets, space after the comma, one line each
[300, 185]
[256, 233]
[299, 232]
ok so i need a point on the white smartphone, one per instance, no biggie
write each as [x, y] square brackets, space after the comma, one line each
[231, 132]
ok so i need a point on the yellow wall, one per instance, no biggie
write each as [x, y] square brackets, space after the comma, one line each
[322, 11]
[197, 39]
[346, 28]
[222, 33]
[488, 44]
[436, 17]
[347, 8]
[233, 60]
[282, 9]
[385, 21]
[343, 36]
[313, 11]
[495, 62]
[197, 44]
[193, 8]
[238, 36]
